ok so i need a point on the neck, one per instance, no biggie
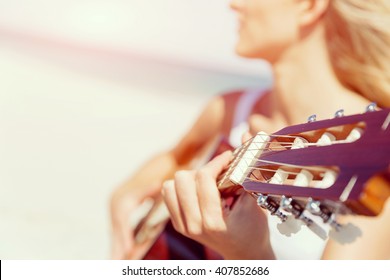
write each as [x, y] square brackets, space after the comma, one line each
[305, 83]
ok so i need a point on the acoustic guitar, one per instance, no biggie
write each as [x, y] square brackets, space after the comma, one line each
[306, 174]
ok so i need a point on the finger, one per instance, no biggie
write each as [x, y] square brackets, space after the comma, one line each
[218, 164]
[170, 198]
[208, 194]
[185, 187]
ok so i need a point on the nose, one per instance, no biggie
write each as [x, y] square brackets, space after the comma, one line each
[236, 4]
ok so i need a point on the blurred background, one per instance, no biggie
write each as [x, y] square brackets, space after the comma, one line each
[89, 90]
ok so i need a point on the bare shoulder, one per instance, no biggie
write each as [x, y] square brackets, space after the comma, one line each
[372, 244]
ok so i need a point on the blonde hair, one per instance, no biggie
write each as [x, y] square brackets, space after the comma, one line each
[358, 36]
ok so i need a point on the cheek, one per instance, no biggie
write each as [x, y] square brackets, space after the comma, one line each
[265, 39]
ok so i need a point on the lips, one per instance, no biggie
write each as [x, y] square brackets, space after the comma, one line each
[241, 25]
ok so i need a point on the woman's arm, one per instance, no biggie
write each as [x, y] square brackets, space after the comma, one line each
[372, 244]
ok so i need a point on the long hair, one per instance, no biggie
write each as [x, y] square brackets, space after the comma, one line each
[358, 36]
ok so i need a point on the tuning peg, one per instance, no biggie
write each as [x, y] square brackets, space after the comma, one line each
[340, 233]
[345, 234]
[339, 113]
[290, 226]
[297, 211]
[312, 118]
[334, 224]
[313, 226]
[371, 107]
[317, 229]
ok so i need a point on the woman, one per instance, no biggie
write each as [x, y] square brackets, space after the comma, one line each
[325, 55]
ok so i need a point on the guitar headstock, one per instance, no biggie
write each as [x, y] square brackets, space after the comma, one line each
[318, 170]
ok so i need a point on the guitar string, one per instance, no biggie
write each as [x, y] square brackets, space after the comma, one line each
[284, 171]
[235, 162]
[290, 144]
[303, 167]
[257, 168]
[240, 152]
[267, 149]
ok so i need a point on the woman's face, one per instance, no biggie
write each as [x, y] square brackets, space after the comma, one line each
[266, 27]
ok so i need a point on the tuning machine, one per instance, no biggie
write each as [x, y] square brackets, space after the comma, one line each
[291, 218]
[371, 107]
[271, 205]
[327, 216]
[298, 211]
[339, 113]
[292, 225]
[298, 218]
[342, 234]
[312, 118]
[315, 207]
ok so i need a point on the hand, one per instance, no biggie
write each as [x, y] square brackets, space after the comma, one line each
[194, 203]
[124, 201]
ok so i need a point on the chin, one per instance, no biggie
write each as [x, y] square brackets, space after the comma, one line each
[246, 52]
[270, 54]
